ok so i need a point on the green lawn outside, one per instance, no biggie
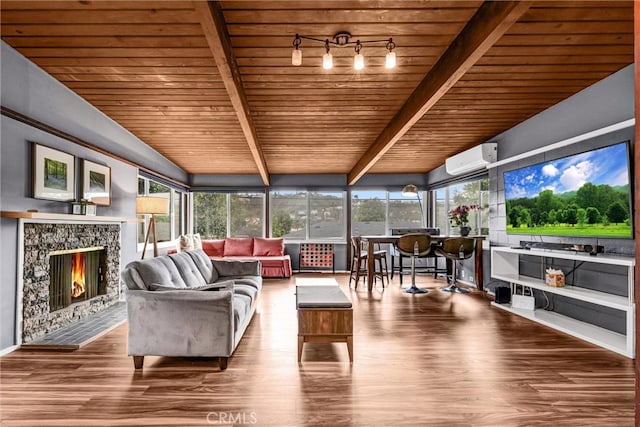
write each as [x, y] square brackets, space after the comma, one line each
[598, 230]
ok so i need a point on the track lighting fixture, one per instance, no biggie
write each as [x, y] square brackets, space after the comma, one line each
[340, 40]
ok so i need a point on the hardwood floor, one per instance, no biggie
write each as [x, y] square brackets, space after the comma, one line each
[435, 359]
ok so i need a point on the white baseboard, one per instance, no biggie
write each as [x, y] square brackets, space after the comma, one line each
[9, 350]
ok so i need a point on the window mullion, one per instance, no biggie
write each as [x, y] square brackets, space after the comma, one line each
[387, 222]
[308, 222]
[228, 209]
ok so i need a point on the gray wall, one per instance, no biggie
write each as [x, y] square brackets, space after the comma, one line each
[31, 92]
[27, 89]
[607, 102]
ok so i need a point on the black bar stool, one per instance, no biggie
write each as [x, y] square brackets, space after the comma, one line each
[455, 249]
[414, 246]
[359, 257]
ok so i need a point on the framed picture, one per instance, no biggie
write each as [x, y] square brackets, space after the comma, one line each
[96, 183]
[53, 174]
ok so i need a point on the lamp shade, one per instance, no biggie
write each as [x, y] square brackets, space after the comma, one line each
[358, 61]
[152, 205]
[410, 190]
[390, 60]
[296, 56]
[327, 61]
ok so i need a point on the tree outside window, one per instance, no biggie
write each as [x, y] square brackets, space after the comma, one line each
[326, 215]
[246, 213]
[368, 213]
[210, 215]
[220, 215]
[404, 212]
[302, 215]
[289, 214]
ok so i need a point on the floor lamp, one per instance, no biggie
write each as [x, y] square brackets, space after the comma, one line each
[146, 205]
[411, 190]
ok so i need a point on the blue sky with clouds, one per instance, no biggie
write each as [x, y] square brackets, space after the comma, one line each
[608, 165]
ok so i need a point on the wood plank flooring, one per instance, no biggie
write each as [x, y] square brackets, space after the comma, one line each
[424, 360]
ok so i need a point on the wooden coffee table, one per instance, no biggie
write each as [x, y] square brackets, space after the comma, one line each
[325, 315]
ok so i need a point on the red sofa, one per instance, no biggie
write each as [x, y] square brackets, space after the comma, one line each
[270, 253]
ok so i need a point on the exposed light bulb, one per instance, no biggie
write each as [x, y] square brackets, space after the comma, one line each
[296, 57]
[390, 60]
[327, 61]
[358, 61]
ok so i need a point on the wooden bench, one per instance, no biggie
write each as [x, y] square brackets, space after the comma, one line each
[325, 315]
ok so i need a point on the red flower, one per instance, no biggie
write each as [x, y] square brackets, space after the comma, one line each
[460, 215]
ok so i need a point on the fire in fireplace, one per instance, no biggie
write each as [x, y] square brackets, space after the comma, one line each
[75, 275]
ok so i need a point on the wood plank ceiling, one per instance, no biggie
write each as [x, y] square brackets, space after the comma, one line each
[212, 86]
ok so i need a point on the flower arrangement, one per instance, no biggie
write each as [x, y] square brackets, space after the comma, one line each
[460, 215]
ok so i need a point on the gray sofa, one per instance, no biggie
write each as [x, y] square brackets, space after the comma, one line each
[188, 305]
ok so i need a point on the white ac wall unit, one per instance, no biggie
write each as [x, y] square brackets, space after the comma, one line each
[473, 159]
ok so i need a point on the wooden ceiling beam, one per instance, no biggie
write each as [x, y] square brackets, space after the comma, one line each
[488, 24]
[213, 25]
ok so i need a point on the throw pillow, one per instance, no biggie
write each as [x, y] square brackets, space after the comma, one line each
[241, 246]
[189, 242]
[185, 243]
[213, 248]
[268, 247]
[197, 241]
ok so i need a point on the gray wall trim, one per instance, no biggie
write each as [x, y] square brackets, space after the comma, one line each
[213, 181]
[314, 182]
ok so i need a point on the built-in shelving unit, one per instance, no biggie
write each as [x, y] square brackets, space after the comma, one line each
[505, 265]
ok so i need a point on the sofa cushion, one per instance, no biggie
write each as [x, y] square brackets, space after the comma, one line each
[254, 281]
[238, 246]
[236, 268]
[132, 279]
[241, 309]
[188, 270]
[213, 247]
[161, 270]
[247, 290]
[268, 247]
[206, 287]
[203, 263]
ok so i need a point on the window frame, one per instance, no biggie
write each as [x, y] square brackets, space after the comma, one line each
[175, 195]
[422, 199]
[448, 229]
[307, 239]
[228, 195]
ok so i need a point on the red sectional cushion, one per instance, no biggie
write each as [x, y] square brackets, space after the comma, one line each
[238, 246]
[213, 248]
[268, 247]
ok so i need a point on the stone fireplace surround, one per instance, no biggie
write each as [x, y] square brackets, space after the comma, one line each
[39, 239]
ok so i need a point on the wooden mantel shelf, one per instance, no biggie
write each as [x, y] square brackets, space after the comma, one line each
[64, 217]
